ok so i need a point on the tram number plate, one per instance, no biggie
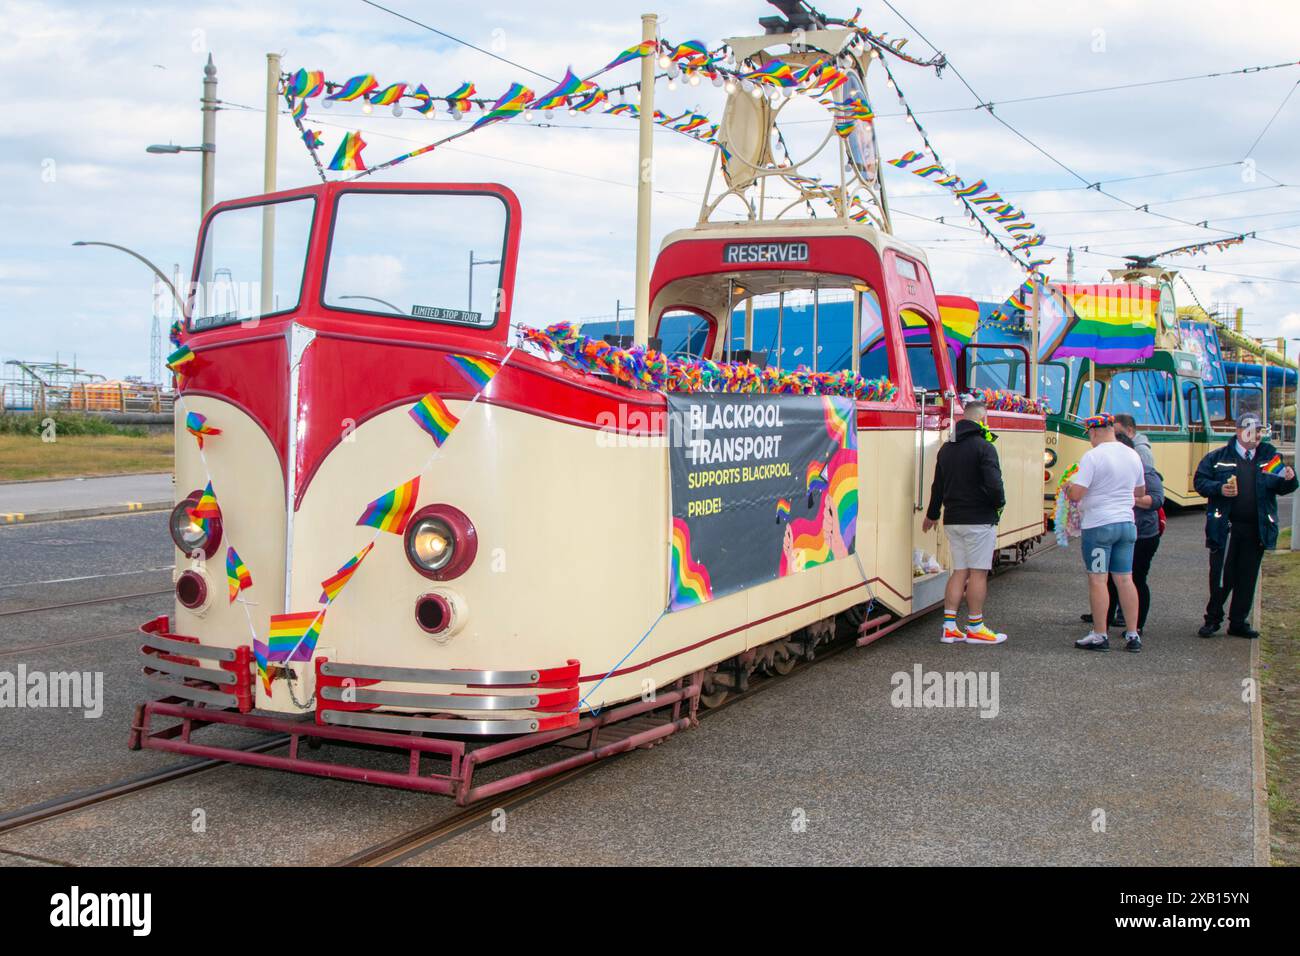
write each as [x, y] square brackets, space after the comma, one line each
[743, 252]
[439, 314]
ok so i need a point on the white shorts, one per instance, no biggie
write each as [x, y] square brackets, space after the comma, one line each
[972, 545]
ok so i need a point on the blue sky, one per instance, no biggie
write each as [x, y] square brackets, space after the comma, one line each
[92, 84]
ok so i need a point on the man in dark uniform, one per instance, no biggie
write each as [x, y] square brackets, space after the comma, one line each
[1241, 482]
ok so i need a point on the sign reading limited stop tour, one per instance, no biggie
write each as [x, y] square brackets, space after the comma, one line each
[745, 253]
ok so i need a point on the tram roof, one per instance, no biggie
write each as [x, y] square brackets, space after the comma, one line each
[795, 229]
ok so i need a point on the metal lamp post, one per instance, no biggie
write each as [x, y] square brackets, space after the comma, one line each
[469, 305]
[208, 149]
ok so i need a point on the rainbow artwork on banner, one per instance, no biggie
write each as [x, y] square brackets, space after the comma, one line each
[1116, 322]
[348, 157]
[335, 583]
[1274, 466]
[433, 415]
[816, 480]
[839, 422]
[390, 512]
[782, 510]
[830, 531]
[238, 577]
[197, 425]
[477, 371]
[689, 579]
[292, 637]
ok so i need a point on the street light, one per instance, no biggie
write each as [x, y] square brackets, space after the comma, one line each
[208, 148]
[152, 268]
[472, 263]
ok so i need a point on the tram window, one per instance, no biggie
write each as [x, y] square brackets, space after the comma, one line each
[433, 257]
[229, 287]
[783, 328]
[874, 361]
[683, 334]
[1089, 398]
[1146, 394]
[995, 366]
[1192, 405]
[925, 371]
[1052, 381]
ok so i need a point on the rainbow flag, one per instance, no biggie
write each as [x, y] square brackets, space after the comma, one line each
[1274, 466]
[388, 95]
[293, 637]
[312, 138]
[477, 371]
[775, 73]
[333, 584]
[458, 99]
[348, 158]
[959, 316]
[180, 358]
[261, 654]
[354, 88]
[620, 109]
[1116, 322]
[782, 510]
[589, 101]
[174, 333]
[691, 49]
[390, 512]
[431, 414]
[972, 189]
[306, 83]
[205, 509]
[644, 48]
[688, 578]
[512, 102]
[238, 577]
[197, 425]
[569, 86]
[906, 159]
[299, 110]
[426, 100]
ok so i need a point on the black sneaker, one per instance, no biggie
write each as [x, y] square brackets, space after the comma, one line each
[1133, 644]
[1093, 642]
[1243, 630]
[1208, 629]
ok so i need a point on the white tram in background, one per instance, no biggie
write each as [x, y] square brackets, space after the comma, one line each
[524, 603]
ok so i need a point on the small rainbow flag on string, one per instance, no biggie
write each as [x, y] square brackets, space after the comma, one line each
[335, 583]
[458, 99]
[354, 88]
[174, 333]
[1274, 466]
[390, 512]
[425, 98]
[691, 49]
[906, 159]
[197, 425]
[477, 371]
[293, 637]
[348, 158]
[569, 86]
[433, 415]
[312, 138]
[388, 95]
[205, 509]
[306, 83]
[261, 654]
[644, 48]
[623, 108]
[299, 110]
[782, 510]
[238, 577]
[512, 102]
[180, 358]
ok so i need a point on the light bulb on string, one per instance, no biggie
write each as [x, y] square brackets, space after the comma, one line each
[367, 109]
[693, 79]
[717, 79]
[730, 87]
[326, 103]
[664, 61]
[528, 116]
[397, 109]
[672, 86]
[755, 92]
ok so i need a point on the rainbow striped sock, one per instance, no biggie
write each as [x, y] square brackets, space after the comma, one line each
[949, 620]
[974, 621]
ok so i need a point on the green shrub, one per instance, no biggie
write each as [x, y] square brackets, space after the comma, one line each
[66, 423]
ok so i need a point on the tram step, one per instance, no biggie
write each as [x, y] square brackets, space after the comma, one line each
[614, 732]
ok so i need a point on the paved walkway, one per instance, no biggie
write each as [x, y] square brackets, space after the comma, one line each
[83, 497]
[1092, 758]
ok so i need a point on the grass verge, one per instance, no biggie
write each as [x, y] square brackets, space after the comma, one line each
[27, 457]
[1280, 694]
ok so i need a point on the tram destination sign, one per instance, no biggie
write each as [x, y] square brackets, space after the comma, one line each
[746, 253]
[437, 313]
[762, 486]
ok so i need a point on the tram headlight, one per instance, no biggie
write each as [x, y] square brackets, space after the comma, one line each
[441, 542]
[1049, 458]
[187, 534]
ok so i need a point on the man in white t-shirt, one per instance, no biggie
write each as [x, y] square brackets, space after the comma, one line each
[1109, 480]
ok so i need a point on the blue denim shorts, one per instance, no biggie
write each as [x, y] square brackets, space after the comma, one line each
[1108, 548]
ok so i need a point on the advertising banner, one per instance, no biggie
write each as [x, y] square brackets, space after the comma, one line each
[762, 486]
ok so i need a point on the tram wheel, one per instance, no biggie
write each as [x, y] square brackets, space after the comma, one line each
[712, 694]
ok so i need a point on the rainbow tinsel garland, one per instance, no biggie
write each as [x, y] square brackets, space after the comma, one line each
[1067, 515]
[649, 369]
[999, 401]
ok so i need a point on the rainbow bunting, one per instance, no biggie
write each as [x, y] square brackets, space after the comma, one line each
[688, 578]
[348, 158]
[299, 110]
[972, 189]
[782, 510]
[644, 48]
[390, 512]
[987, 200]
[354, 88]
[174, 333]
[512, 102]
[197, 425]
[261, 655]
[312, 138]
[458, 99]
[335, 583]
[388, 95]
[292, 637]
[906, 159]
[590, 101]
[621, 109]
[305, 83]
[425, 98]
[205, 509]
[775, 73]
[691, 49]
[567, 87]
[1274, 466]
[238, 577]
[432, 414]
[180, 358]
[477, 371]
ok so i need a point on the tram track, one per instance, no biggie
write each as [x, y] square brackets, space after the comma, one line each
[89, 602]
[405, 846]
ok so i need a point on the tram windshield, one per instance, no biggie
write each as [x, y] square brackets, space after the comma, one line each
[231, 285]
[431, 257]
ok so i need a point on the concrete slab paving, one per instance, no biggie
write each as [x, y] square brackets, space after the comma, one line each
[25, 501]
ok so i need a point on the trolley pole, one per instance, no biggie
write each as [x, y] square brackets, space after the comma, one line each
[1031, 386]
[645, 182]
[268, 180]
